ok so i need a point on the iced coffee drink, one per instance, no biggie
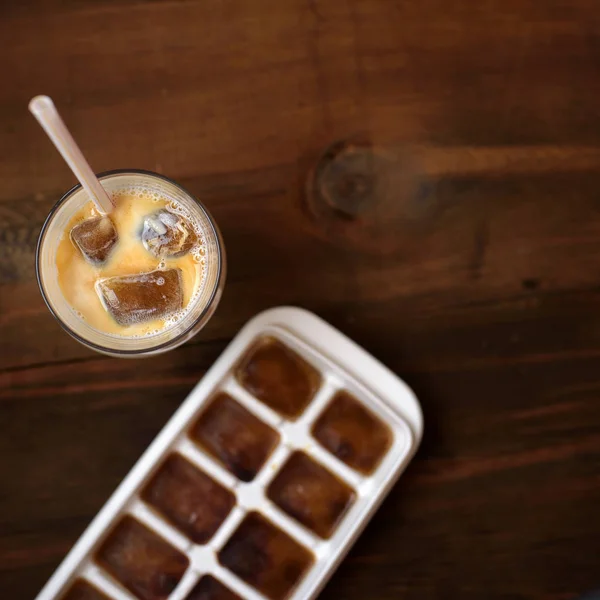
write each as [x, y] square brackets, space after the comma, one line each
[139, 280]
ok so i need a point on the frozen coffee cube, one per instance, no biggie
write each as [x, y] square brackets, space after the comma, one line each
[278, 377]
[82, 590]
[312, 495]
[95, 238]
[240, 441]
[352, 433]
[141, 560]
[189, 499]
[209, 588]
[265, 557]
[166, 234]
[132, 299]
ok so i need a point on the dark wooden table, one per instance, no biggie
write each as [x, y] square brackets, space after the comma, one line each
[477, 280]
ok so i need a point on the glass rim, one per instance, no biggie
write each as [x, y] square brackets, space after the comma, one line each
[164, 345]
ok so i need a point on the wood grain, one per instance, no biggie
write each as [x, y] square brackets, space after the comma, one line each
[477, 283]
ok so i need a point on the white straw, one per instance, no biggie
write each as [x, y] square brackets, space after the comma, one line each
[45, 112]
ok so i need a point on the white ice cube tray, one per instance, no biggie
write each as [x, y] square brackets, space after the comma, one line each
[343, 365]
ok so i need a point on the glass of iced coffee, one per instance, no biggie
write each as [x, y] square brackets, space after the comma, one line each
[139, 281]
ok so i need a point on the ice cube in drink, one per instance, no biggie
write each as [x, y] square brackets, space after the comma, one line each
[311, 494]
[279, 377]
[167, 234]
[141, 560]
[239, 440]
[352, 433]
[188, 498]
[132, 299]
[209, 588]
[82, 590]
[265, 557]
[95, 238]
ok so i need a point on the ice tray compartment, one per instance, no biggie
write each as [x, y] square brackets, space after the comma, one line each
[189, 498]
[209, 588]
[352, 433]
[311, 494]
[264, 556]
[231, 434]
[141, 560]
[82, 590]
[278, 376]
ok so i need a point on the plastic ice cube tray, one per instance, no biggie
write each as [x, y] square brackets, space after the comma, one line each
[228, 512]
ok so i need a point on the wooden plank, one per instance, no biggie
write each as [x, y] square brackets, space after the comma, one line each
[475, 278]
